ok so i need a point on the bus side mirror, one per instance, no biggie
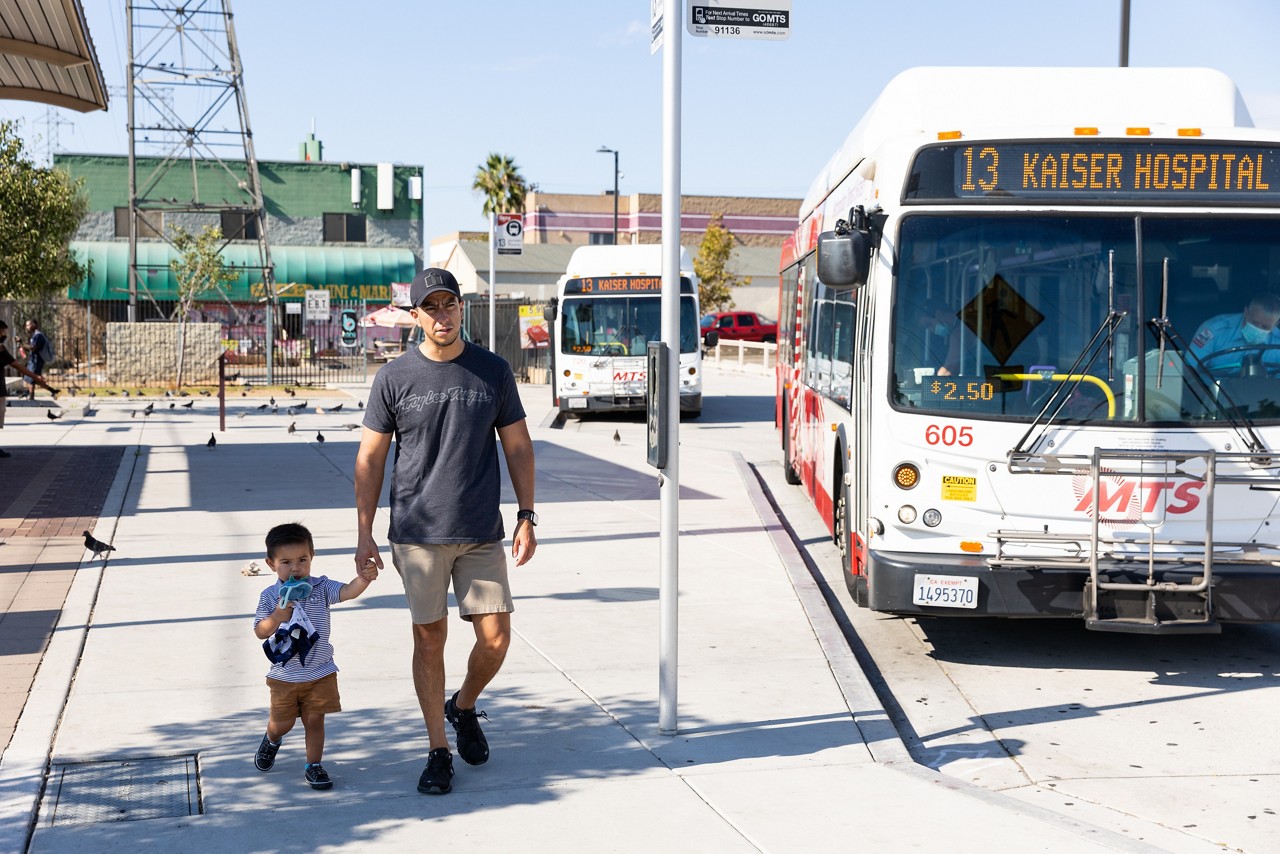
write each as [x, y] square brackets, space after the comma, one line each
[549, 313]
[711, 338]
[844, 260]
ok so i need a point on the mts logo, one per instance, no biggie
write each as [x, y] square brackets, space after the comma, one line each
[628, 376]
[1130, 498]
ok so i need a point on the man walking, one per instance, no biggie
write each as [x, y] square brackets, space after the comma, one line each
[447, 402]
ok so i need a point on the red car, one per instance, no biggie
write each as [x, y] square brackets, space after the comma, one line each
[741, 326]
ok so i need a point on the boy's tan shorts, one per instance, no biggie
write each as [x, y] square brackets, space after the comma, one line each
[478, 571]
[291, 700]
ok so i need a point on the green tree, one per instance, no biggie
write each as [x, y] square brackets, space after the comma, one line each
[40, 209]
[499, 180]
[716, 284]
[199, 268]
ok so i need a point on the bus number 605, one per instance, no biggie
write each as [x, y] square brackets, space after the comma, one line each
[948, 435]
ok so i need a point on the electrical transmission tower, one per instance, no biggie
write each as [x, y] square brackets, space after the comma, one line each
[191, 158]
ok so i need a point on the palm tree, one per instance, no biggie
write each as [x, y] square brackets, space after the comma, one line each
[499, 180]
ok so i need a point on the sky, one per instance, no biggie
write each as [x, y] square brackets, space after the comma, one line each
[443, 84]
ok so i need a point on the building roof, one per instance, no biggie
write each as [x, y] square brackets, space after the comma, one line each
[47, 55]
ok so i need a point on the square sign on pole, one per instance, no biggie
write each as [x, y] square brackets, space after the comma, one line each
[317, 303]
[732, 19]
[510, 233]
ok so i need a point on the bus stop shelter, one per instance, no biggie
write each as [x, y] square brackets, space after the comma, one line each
[49, 55]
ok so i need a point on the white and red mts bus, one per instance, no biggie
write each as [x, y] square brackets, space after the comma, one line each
[1023, 360]
[608, 308]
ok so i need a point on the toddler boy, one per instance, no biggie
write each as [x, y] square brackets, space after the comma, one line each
[293, 622]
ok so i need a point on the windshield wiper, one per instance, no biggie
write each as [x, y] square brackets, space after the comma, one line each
[1206, 394]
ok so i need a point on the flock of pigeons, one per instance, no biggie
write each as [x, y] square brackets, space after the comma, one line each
[291, 409]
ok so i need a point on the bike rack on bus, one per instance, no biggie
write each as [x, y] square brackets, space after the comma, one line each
[1136, 584]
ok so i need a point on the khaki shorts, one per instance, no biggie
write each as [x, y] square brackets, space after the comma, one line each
[478, 571]
[291, 700]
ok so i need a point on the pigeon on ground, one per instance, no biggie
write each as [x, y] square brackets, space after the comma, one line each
[293, 425]
[337, 408]
[617, 438]
[290, 392]
[302, 405]
[263, 406]
[273, 400]
[93, 394]
[168, 393]
[242, 415]
[147, 409]
[48, 413]
[184, 394]
[133, 413]
[188, 404]
[172, 404]
[212, 443]
[206, 392]
[244, 394]
[319, 437]
[360, 404]
[98, 547]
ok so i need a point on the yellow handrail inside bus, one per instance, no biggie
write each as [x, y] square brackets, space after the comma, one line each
[1111, 398]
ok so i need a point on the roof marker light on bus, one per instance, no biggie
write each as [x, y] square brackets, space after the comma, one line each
[1137, 131]
[1189, 132]
[906, 476]
[949, 134]
[1086, 131]
[971, 546]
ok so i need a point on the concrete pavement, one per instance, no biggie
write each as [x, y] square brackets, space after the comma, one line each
[150, 701]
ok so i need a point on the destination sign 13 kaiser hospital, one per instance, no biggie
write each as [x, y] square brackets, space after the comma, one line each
[1060, 170]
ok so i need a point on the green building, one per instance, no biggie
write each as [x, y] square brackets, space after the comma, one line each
[352, 229]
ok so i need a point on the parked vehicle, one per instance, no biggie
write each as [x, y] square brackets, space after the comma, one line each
[741, 326]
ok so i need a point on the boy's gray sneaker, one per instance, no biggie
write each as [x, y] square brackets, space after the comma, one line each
[265, 758]
[317, 777]
[473, 747]
[437, 776]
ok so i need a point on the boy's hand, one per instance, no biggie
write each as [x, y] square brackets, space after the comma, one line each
[283, 615]
[370, 570]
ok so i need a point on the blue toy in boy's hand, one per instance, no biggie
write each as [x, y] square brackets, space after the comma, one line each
[294, 590]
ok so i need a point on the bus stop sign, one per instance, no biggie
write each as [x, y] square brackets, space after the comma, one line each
[730, 19]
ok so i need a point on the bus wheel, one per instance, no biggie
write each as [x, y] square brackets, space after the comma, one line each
[790, 474]
[840, 526]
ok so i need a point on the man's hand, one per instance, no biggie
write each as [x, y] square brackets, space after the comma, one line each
[523, 542]
[367, 555]
[369, 570]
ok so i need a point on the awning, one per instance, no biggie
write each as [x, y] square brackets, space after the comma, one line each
[348, 273]
[47, 56]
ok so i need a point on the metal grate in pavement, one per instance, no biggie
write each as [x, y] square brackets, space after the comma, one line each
[126, 790]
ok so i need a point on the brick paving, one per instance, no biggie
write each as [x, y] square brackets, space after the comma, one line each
[48, 497]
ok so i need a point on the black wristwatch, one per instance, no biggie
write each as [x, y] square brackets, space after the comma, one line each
[527, 516]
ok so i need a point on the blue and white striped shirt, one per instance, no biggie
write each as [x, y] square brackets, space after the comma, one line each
[320, 663]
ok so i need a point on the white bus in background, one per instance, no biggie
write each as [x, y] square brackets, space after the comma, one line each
[608, 308]
[987, 383]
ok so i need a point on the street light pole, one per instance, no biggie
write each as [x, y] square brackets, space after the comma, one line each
[603, 150]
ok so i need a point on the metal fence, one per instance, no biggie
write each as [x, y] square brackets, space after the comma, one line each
[529, 364]
[95, 347]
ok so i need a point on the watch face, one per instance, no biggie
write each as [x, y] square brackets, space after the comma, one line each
[530, 515]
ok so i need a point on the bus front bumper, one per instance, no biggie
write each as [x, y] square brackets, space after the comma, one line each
[622, 403]
[1241, 592]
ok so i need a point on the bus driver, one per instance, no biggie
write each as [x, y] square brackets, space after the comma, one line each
[1255, 326]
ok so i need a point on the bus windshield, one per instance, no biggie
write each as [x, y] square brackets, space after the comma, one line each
[991, 315]
[622, 326]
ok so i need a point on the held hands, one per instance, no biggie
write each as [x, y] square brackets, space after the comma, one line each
[369, 571]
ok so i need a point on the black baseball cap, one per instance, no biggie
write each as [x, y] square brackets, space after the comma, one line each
[430, 281]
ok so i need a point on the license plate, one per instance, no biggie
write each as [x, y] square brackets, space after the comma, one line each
[945, 591]
[577, 403]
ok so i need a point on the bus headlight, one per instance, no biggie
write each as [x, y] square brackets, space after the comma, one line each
[931, 517]
[906, 514]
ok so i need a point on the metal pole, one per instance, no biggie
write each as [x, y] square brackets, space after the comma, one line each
[133, 181]
[615, 198]
[669, 482]
[1124, 33]
[493, 263]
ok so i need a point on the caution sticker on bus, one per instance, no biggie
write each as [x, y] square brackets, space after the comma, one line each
[945, 591]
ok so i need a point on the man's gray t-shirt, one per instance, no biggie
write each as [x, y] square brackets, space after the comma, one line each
[445, 483]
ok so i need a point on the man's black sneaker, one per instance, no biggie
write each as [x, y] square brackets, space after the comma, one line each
[317, 777]
[436, 777]
[473, 747]
[265, 758]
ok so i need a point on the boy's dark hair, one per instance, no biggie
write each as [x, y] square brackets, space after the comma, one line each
[289, 534]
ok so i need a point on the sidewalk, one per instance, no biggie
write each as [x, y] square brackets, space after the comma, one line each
[769, 756]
